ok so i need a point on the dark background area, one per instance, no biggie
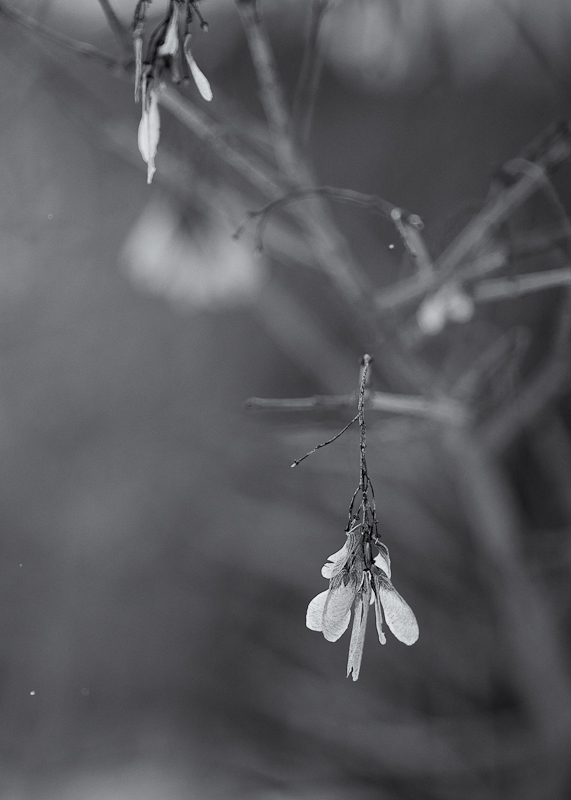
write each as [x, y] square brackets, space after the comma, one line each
[157, 552]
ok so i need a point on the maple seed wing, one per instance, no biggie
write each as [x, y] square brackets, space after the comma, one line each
[335, 563]
[337, 610]
[314, 616]
[200, 79]
[149, 132]
[398, 614]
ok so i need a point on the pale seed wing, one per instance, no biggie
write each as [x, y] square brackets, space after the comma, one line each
[314, 616]
[337, 610]
[382, 559]
[170, 45]
[199, 78]
[149, 132]
[359, 628]
[335, 563]
[398, 614]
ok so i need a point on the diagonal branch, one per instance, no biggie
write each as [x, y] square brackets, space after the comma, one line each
[119, 30]
[310, 73]
[80, 48]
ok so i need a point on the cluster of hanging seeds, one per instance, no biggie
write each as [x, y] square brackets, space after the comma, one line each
[360, 572]
[167, 53]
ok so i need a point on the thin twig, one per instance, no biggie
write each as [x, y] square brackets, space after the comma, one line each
[207, 130]
[508, 288]
[327, 401]
[79, 48]
[370, 201]
[545, 154]
[328, 246]
[408, 227]
[511, 344]
[363, 477]
[119, 30]
[271, 91]
[310, 73]
[498, 432]
[413, 289]
[324, 444]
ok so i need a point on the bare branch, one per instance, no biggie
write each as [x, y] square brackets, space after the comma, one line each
[79, 48]
[507, 288]
[332, 402]
[310, 73]
[370, 201]
[445, 409]
[119, 30]
[324, 444]
[540, 157]
[408, 227]
[413, 289]
[271, 92]
[207, 130]
[557, 78]
[539, 672]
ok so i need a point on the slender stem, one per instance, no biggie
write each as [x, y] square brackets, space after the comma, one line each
[310, 73]
[119, 30]
[370, 201]
[556, 76]
[506, 288]
[363, 480]
[329, 248]
[255, 171]
[527, 625]
[324, 444]
[444, 409]
[271, 91]
[540, 157]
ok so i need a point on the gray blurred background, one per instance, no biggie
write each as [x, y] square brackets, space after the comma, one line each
[157, 553]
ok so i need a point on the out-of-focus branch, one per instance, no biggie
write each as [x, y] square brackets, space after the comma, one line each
[271, 92]
[371, 201]
[256, 172]
[557, 78]
[79, 48]
[119, 30]
[505, 288]
[413, 289]
[542, 156]
[527, 624]
[444, 409]
[542, 389]
[310, 74]
[329, 248]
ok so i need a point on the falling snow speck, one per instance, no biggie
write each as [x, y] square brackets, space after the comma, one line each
[32, 693]
[391, 247]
